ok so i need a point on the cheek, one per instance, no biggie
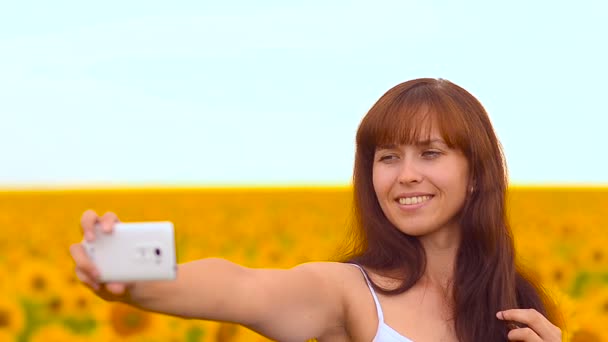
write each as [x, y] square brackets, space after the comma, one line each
[380, 181]
[376, 183]
[460, 185]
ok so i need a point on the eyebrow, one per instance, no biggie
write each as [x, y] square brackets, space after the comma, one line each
[418, 143]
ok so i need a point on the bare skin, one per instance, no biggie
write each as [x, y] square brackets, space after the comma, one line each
[327, 300]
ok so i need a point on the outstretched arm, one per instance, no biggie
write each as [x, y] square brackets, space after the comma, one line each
[294, 304]
[283, 304]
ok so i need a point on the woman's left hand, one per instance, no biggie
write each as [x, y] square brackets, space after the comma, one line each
[539, 328]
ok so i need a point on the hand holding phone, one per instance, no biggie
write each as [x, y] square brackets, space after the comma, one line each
[137, 251]
[101, 269]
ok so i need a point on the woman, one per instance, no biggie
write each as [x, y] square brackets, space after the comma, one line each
[432, 257]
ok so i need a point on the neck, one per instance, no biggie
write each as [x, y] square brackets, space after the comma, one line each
[441, 249]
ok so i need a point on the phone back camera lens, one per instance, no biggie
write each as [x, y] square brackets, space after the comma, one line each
[157, 251]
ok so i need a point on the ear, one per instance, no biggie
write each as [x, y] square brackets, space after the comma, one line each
[472, 186]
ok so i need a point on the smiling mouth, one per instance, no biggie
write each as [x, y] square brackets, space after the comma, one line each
[414, 200]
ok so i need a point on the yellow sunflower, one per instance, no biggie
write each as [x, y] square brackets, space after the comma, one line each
[37, 281]
[6, 286]
[12, 317]
[159, 331]
[7, 336]
[171, 329]
[586, 335]
[55, 333]
[557, 273]
[127, 323]
[81, 301]
[593, 254]
[593, 312]
[59, 302]
[14, 259]
[527, 246]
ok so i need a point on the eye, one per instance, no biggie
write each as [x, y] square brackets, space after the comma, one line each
[431, 154]
[387, 157]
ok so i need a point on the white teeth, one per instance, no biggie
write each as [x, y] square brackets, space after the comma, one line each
[413, 200]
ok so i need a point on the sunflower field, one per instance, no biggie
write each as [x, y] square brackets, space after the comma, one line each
[560, 233]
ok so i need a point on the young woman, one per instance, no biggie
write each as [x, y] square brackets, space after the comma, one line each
[431, 258]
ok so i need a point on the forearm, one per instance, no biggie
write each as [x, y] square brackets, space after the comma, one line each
[211, 289]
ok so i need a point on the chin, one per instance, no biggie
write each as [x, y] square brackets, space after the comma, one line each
[415, 232]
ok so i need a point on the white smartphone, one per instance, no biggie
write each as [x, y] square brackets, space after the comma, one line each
[135, 251]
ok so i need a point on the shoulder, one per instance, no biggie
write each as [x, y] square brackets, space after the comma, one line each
[348, 285]
[345, 281]
[340, 276]
[346, 275]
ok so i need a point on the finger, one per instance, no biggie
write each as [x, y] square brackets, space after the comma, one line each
[88, 220]
[532, 318]
[116, 288]
[107, 222]
[83, 262]
[90, 283]
[523, 334]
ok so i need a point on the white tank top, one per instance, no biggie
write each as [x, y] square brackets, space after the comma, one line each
[384, 333]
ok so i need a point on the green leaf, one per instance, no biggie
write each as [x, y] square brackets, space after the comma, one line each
[195, 334]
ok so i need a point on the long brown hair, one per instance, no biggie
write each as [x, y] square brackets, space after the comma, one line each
[486, 277]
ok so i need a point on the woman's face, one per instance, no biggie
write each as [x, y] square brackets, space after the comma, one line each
[421, 188]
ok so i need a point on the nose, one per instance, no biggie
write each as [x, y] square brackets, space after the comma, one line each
[409, 173]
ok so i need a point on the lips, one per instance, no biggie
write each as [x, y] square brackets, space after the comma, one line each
[406, 204]
[413, 200]
[413, 196]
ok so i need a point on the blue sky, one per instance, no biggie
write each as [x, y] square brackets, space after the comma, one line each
[271, 92]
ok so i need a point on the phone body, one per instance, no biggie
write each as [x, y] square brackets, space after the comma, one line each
[135, 251]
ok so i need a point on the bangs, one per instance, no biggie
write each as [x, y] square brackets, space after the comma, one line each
[410, 118]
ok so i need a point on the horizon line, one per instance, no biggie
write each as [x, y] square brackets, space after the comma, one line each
[4, 188]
